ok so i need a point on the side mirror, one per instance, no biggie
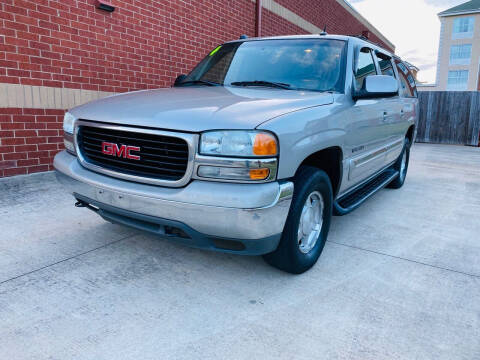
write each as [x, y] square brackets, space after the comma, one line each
[377, 86]
[179, 79]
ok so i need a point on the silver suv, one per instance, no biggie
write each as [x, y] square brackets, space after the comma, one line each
[253, 151]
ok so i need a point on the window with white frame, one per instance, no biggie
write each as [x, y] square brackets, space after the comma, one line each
[457, 80]
[463, 28]
[460, 54]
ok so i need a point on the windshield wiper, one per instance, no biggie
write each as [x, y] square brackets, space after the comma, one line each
[318, 90]
[198, 82]
[263, 83]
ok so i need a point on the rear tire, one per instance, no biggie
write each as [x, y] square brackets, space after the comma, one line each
[401, 165]
[308, 222]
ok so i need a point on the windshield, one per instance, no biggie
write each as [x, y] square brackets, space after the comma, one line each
[310, 64]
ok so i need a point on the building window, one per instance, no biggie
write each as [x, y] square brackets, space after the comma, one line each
[460, 54]
[463, 28]
[457, 80]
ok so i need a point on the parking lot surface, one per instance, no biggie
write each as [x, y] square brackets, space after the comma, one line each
[398, 279]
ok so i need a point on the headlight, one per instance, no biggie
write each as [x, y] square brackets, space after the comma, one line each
[238, 143]
[238, 156]
[68, 120]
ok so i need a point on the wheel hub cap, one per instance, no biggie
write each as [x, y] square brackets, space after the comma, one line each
[311, 221]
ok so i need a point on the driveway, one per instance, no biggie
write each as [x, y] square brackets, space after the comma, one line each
[398, 279]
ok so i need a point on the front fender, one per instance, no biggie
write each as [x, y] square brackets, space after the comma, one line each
[305, 132]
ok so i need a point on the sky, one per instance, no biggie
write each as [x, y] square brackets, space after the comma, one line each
[412, 26]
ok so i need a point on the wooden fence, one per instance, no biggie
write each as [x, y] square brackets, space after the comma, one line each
[449, 117]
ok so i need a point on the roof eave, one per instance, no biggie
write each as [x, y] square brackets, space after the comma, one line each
[459, 13]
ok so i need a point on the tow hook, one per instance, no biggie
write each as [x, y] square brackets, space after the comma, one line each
[83, 204]
[80, 204]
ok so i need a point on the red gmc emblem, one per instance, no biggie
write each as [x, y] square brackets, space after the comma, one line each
[124, 151]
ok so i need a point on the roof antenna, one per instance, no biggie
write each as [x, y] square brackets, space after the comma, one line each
[243, 36]
[324, 32]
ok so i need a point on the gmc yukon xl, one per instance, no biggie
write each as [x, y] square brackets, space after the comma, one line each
[253, 151]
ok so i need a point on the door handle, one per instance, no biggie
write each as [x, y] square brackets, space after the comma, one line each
[402, 112]
[385, 115]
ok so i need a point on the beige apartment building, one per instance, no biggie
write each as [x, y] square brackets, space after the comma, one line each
[458, 67]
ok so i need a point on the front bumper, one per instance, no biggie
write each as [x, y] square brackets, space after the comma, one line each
[238, 218]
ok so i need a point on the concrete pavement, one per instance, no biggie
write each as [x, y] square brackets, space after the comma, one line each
[398, 279]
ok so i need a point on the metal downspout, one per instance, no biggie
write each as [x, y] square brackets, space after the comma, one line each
[258, 18]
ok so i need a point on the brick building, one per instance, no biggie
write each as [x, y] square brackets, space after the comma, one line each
[55, 54]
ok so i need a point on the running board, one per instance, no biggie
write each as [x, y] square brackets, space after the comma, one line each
[349, 202]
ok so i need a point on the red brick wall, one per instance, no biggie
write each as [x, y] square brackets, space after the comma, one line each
[273, 24]
[29, 140]
[142, 44]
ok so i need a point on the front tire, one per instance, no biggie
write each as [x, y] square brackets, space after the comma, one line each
[308, 223]
[401, 165]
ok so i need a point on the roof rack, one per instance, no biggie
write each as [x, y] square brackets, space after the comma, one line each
[364, 38]
[360, 37]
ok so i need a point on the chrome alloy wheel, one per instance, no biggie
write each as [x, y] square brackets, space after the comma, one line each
[311, 221]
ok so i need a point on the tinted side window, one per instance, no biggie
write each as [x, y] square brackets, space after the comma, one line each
[365, 67]
[409, 88]
[385, 63]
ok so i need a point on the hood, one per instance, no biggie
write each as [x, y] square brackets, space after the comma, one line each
[199, 108]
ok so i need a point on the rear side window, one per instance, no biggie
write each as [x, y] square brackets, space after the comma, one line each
[365, 67]
[409, 88]
[385, 63]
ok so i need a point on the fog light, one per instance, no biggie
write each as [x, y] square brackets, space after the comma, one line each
[229, 173]
[69, 146]
[259, 174]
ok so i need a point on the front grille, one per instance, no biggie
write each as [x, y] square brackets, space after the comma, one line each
[161, 157]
